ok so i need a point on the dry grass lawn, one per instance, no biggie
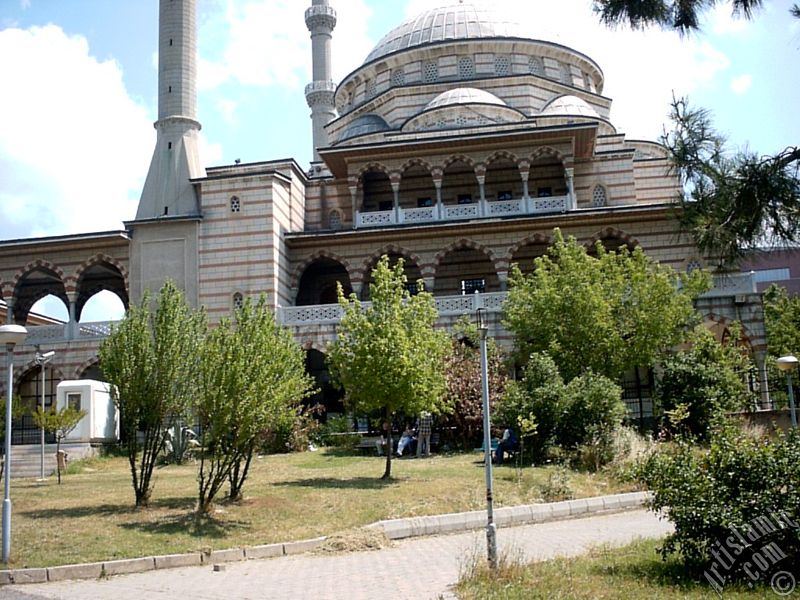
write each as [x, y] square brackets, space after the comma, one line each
[91, 516]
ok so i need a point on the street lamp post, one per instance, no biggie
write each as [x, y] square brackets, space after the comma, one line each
[10, 336]
[491, 528]
[42, 360]
[786, 364]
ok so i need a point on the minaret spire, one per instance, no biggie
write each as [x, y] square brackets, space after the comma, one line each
[167, 191]
[320, 20]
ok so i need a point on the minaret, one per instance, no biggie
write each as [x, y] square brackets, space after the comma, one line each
[167, 191]
[320, 20]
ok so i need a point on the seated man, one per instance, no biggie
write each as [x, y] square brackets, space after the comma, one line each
[405, 440]
[508, 443]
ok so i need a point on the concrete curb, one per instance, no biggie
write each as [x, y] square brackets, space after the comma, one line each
[394, 529]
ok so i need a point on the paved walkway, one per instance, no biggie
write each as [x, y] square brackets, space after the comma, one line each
[418, 568]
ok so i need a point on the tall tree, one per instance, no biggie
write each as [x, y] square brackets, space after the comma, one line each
[151, 360]
[252, 377]
[607, 314]
[782, 321]
[731, 202]
[387, 356]
[683, 15]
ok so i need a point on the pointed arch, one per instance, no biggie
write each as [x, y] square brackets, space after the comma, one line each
[458, 157]
[412, 267]
[613, 239]
[373, 166]
[548, 152]
[501, 154]
[537, 242]
[416, 162]
[36, 280]
[464, 266]
[298, 270]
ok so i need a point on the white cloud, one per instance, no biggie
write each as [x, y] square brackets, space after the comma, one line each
[742, 83]
[74, 147]
[266, 43]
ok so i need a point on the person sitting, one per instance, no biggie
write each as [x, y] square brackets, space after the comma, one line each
[508, 443]
[406, 440]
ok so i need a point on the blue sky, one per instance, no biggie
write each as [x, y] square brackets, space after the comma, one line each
[79, 88]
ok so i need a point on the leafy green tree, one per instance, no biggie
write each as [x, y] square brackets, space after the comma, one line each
[606, 314]
[60, 423]
[388, 357]
[151, 359]
[683, 15]
[703, 383]
[252, 378]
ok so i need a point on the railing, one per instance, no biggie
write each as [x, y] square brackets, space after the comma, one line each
[455, 212]
[447, 306]
[49, 334]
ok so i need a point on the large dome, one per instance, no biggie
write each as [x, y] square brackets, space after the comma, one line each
[452, 21]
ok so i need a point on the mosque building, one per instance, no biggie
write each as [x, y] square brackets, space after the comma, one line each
[459, 144]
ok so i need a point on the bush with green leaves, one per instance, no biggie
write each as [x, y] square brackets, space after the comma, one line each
[747, 482]
[579, 417]
[337, 432]
[700, 383]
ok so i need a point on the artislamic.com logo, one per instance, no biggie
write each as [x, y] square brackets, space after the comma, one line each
[750, 553]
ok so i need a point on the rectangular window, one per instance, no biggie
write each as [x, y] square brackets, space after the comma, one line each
[424, 202]
[74, 401]
[465, 198]
[504, 195]
[412, 288]
[544, 192]
[385, 205]
[470, 286]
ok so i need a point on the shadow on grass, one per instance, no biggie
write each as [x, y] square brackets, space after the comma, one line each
[189, 523]
[361, 483]
[99, 510]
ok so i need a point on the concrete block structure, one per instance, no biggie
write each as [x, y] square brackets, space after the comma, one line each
[459, 144]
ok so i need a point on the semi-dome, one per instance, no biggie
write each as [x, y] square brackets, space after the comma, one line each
[451, 21]
[365, 124]
[569, 105]
[464, 95]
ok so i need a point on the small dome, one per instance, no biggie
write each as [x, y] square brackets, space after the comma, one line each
[365, 124]
[451, 21]
[569, 105]
[464, 96]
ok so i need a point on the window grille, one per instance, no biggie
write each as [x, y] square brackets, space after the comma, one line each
[430, 73]
[238, 301]
[466, 68]
[502, 66]
[470, 286]
[398, 77]
[599, 198]
[236, 204]
[536, 66]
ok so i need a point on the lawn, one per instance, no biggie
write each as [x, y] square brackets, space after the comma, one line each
[633, 572]
[91, 516]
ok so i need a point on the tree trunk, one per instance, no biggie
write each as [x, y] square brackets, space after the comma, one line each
[58, 461]
[387, 474]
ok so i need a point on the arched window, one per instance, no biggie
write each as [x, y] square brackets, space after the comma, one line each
[236, 204]
[599, 197]
[466, 68]
[536, 66]
[693, 265]
[502, 65]
[335, 220]
[238, 301]
[371, 88]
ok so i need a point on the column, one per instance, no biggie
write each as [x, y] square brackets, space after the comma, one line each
[480, 174]
[437, 176]
[394, 180]
[10, 311]
[72, 326]
[569, 174]
[524, 173]
[354, 201]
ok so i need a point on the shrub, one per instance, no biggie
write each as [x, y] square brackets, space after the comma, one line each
[337, 433]
[739, 498]
[579, 417]
[703, 382]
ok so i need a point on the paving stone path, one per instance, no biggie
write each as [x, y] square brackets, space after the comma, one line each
[419, 568]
